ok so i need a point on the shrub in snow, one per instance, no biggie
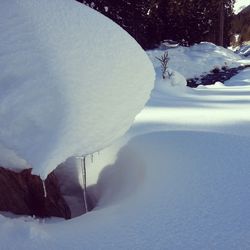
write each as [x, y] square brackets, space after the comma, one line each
[71, 81]
[164, 65]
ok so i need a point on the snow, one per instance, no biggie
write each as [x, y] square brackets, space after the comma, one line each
[178, 179]
[181, 203]
[196, 60]
[241, 79]
[9, 158]
[240, 5]
[71, 82]
[244, 50]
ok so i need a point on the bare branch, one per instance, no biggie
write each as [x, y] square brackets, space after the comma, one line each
[164, 64]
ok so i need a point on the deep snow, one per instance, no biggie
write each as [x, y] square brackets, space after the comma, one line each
[71, 82]
[179, 179]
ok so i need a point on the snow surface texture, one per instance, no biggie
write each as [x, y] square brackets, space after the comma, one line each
[71, 82]
[178, 180]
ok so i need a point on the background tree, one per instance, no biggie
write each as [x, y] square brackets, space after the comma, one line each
[185, 21]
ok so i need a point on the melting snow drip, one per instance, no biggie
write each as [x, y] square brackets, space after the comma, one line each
[44, 189]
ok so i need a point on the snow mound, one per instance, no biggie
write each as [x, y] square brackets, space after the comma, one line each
[244, 50]
[241, 79]
[177, 79]
[196, 60]
[175, 83]
[71, 81]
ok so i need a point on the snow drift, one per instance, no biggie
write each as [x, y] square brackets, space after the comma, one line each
[196, 60]
[71, 82]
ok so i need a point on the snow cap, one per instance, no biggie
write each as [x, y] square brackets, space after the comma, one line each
[71, 81]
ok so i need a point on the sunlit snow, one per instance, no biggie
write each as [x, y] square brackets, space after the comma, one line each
[240, 5]
[179, 178]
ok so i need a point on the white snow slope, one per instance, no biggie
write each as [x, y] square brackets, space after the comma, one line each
[71, 82]
[179, 179]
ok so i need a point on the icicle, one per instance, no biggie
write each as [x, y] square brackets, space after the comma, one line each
[44, 189]
[92, 158]
[84, 180]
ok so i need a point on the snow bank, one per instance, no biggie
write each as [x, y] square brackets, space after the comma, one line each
[196, 60]
[241, 79]
[71, 81]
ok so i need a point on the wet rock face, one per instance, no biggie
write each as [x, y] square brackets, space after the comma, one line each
[23, 193]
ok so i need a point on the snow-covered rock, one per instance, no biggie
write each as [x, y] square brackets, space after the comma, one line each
[174, 83]
[71, 81]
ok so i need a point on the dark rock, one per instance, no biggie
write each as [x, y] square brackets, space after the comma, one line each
[215, 70]
[23, 193]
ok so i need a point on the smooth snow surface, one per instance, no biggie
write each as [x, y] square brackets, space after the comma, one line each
[71, 81]
[178, 180]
